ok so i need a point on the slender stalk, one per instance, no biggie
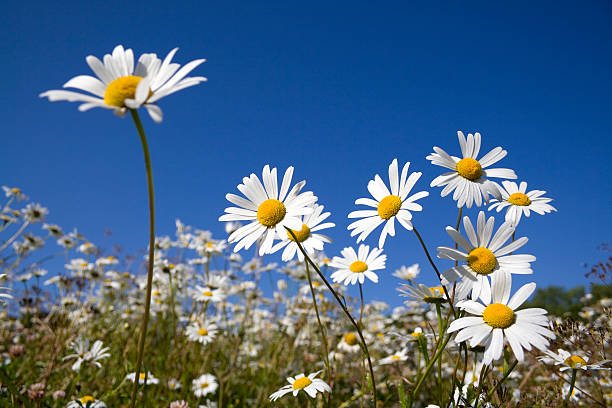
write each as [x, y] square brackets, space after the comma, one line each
[15, 236]
[572, 383]
[430, 365]
[145, 317]
[499, 383]
[345, 310]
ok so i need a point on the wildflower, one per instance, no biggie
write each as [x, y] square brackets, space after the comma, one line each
[174, 384]
[203, 333]
[485, 256]
[306, 236]
[179, 404]
[267, 209]
[34, 212]
[496, 321]
[209, 294]
[120, 86]
[422, 293]
[86, 402]
[394, 358]
[310, 385]
[389, 204]
[353, 267]
[519, 201]
[142, 378]
[407, 273]
[83, 354]
[204, 385]
[54, 230]
[349, 343]
[568, 361]
[468, 177]
[15, 192]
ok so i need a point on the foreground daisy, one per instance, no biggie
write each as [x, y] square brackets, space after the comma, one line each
[519, 201]
[468, 177]
[268, 210]
[353, 267]
[485, 256]
[121, 86]
[389, 204]
[498, 320]
[204, 384]
[310, 385]
[310, 241]
[86, 402]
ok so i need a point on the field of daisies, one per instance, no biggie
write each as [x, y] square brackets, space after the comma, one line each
[187, 324]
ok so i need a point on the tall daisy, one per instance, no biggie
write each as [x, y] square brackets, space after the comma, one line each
[120, 86]
[484, 256]
[494, 322]
[388, 205]
[306, 236]
[267, 209]
[353, 267]
[310, 385]
[468, 178]
[201, 332]
[519, 201]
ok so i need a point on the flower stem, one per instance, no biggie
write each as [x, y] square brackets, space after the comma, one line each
[145, 317]
[572, 383]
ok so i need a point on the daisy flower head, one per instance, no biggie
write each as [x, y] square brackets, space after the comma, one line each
[353, 267]
[267, 209]
[408, 273]
[209, 294]
[494, 322]
[520, 201]
[310, 385]
[86, 401]
[203, 333]
[349, 343]
[422, 293]
[389, 204]
[468, 177]
[395, 358]
[204, 385]
[567, 361]
[142, 378]
[307, 237]
[485, 255]
[119, 85]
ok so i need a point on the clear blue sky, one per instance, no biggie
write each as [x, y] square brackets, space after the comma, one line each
[338, 91]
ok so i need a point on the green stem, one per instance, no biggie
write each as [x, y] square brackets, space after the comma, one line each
[429, 367]
[499, 383]
[145, 317]
[572, 383]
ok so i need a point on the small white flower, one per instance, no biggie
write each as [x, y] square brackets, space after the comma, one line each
[519, 201]
[204, 385]
[353, 267]
[310, 385]
[407, 273]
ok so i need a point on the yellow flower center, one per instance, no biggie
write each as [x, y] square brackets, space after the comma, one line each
[499, 316]
[300, 383]
[156, 293]
[271, 212]
[87, 399]
[389, 206]
[469, 168]
[301, 235]
[350, 339]
[202, 332]
[396, 358]
[573, 361]
[209, 245]
[121, 89]
[15, 190]
[207, 293]
[142, 376]
[519, 199]
[204, 385]
[358, 267]
[481, 260]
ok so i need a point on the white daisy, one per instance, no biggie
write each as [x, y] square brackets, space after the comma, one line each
[520, 202]
[498, 320]
[86, 402]
[204, 385]
[142, 377]
[388, 205]
[353, 267]
[422, 293]
[568, 361]
[203, 333]
[209, 294]
[267, 209]
[485, 256]
[121, 86]
[468, 177]
[310, 241]
[407, 273]
[349, 343]
[310, 385]
[395, 358]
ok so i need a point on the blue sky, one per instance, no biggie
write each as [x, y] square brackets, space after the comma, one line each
[337, 91]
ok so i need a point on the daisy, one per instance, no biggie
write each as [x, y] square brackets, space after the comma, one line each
[204, 385]
[568, 361]
[83, 354]
[310, 241]
[407, 273]
[310, 385]
[394, 358]
[120, 86]
[209, 294]
[203, 333]
[14, 192]
[468, 177]
[353, 267]
[267, 209]
[349, 343]
[86, 402]
[520, 202]
[34, 212]
[498, 320]
[485, 256]
[142, 377]
[422, 293]
[388, 205]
